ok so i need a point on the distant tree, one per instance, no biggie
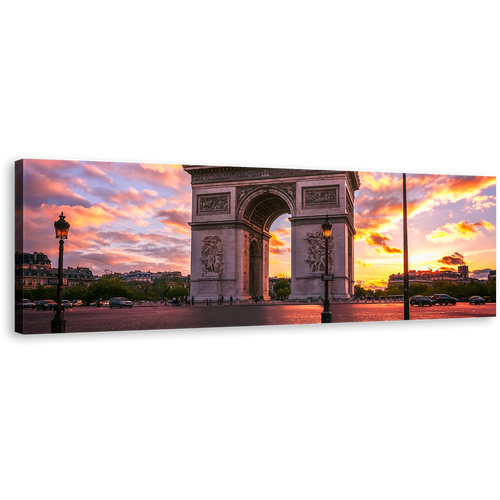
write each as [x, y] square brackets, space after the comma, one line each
[284, 292]
[394, 290]
[177, 291]
[281, 284]
[419, 289]
[282, 288]
[159, 289]
[105, 288]
[76, 292]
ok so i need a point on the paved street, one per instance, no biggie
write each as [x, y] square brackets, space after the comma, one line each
[92, 319]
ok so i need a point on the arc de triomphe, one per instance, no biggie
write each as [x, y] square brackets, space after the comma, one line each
[233, 209]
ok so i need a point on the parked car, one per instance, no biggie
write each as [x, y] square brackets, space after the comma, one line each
[476, 299]
[66, 304]
[119, 302]
[26, 304]
[421, 300]
[45, 305]
[443, 299]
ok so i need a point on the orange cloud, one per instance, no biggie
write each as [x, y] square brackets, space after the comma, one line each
[77, 215]
[461, 230]
[375, 239]
[281, 275]
[276, 246]
[284, 232]
[372, 284]
[379, 181]
[362, 264]
[452, 260]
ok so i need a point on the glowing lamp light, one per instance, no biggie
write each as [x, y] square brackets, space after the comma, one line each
[62, 227]
[327, 228]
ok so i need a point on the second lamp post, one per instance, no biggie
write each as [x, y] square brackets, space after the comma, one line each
[326, 315]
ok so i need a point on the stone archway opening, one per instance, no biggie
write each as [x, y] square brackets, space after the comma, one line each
[264, 209]
[260, 210]
[280, 265]
[254, 267]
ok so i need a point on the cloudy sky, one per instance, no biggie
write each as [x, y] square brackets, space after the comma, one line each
[131, 216]
[447, 216]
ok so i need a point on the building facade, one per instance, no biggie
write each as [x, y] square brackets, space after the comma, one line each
[430, 277]
[140, 276]
[34, 269]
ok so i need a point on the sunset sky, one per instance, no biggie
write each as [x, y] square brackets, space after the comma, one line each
[134, 216]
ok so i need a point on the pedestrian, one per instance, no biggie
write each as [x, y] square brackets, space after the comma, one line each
[192, 300]
[231, 300]
[222, 300]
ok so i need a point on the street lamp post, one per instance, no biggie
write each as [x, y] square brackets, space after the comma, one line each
[326, 315]
[58, 323]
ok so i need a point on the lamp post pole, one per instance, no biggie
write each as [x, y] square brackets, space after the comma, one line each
[58, 323]
[326, 315]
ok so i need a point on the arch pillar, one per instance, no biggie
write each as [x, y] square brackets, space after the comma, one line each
[309, 256]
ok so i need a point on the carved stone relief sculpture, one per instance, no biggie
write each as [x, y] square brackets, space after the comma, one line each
[212, 259]
[217, 203]
[289, 189]
[316, 252]
[325, 196]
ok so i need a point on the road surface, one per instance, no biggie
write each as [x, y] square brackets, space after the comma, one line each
[93, 319]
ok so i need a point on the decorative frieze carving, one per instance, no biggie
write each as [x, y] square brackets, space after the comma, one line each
[316, 252]
[214, 203]
[242, 173]
[212, 256]
[323, 196]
